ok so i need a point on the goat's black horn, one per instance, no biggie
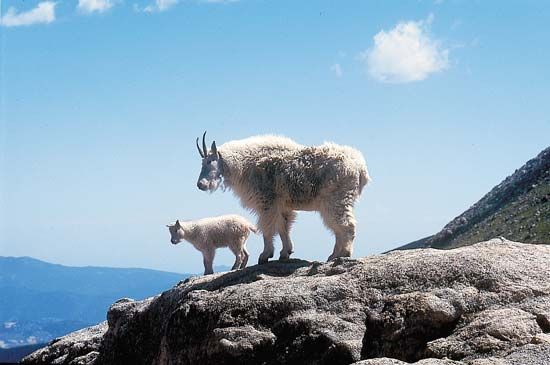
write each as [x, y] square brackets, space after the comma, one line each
[198, 148]
[204, 149]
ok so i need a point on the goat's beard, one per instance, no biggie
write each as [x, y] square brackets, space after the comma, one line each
[214, 184]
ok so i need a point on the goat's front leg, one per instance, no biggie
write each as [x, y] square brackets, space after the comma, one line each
[285, 223]
[268, 249]
[267, 225]
[208, 261]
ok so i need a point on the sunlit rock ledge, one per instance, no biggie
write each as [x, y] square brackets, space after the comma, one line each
[488, 303]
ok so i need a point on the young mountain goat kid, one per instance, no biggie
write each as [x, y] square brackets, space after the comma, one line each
[275, 176]
[207, 234]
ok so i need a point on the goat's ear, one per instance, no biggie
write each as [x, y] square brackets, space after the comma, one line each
[178, 223]
[168, 226]
[213, 148]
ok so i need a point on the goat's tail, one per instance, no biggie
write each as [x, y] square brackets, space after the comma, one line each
[364, 179]
[253, 228]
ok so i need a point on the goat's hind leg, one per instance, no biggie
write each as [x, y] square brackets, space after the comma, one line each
[236, 249]
[345, 234]
[236, 264]
[340, 219]
[244, 255]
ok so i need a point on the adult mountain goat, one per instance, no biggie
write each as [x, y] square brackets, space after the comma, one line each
[275, 176]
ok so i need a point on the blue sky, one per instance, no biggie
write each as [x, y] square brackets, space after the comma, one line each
[102, 101]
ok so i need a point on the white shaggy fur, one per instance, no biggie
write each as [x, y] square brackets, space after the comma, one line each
[274, 176]
[208, 234]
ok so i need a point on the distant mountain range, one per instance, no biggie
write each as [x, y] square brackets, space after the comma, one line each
[15, 354]
[518, 209]
[40, 301]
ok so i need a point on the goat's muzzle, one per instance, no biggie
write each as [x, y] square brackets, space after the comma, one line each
[202, 185]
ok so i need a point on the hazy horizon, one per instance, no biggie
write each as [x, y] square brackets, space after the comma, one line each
[219, 267]
[100, 107]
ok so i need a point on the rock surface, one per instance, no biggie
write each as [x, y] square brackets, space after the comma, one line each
[77, 348]
[487, 303]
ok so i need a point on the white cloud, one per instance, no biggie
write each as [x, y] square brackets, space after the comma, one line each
[91, 6]
[44, 12]
[405, 53]
[337, 69]
[3, 345]
[159, 5]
